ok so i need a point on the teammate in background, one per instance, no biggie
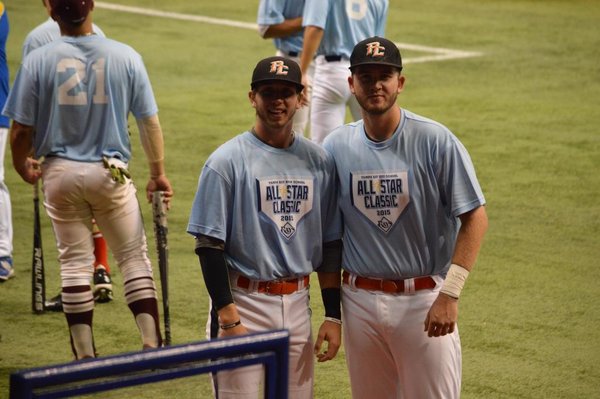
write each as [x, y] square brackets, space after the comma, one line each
[331, 29]
[262, 218]
[6, 232]
[39, 36]
[76, 93]
[281, 20]
[414, 220]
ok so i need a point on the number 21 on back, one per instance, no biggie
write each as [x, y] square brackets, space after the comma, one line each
[72, 91]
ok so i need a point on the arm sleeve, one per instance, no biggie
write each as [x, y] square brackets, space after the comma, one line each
[214, 270]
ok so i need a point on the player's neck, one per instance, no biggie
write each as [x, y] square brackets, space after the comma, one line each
[380, 127]
[280, 138]
[85, 29]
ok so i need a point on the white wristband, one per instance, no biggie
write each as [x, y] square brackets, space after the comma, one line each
[333, 320]
[455, 281]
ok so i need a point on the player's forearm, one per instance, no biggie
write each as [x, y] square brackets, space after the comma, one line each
[151, 137]
[312, 40]
[286, 28]
[21, 145]
[474, 224]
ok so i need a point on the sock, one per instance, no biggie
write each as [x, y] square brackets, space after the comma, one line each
[78, 306]
[100, 250]
[140, 295]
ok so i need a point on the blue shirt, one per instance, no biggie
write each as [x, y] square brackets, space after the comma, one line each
[272, 207]
[273, 12]
[345, 22]
[401, 198]
[77, 92]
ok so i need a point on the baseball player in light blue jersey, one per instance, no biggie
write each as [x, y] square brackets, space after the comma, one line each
[414, 219]
[331, 29]
[76, 94]
[6, 230]
[263, 210]
[281, 20]
[41, 35]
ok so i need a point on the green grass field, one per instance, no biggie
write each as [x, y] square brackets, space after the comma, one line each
[527, 110]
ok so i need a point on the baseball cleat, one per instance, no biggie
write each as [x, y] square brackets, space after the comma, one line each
[54, 304]
[102, 285]
[6, 268]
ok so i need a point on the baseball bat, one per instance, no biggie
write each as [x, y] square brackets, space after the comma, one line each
[38, 282]
[159, 212]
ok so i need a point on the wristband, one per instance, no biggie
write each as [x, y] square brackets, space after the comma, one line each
[230, 325]
[333, 320]
[455, 281]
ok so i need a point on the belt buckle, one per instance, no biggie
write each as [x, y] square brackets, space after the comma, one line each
[389, 286]
[273, 287]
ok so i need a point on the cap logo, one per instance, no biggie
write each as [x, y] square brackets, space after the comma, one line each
[279, 68]
[375, 49]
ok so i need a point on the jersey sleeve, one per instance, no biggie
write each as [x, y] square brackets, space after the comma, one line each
[315, 13]
[20, 104]
[458, 182]
[270, 12]
[143, 103]
[210, 208]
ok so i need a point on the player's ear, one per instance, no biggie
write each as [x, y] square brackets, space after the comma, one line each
[351, 83]
[251, 97]
[400, 82]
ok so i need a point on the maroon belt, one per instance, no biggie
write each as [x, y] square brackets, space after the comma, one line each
[274, 287]
[390, 286]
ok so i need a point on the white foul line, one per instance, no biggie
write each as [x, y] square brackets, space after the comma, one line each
[440, 54]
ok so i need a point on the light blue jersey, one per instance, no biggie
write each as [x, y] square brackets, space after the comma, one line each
[345, 22]
[272, 207]
[89, 84]
[401, 198]
[272, 12]
[45, 33]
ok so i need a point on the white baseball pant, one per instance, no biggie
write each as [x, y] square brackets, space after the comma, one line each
[261, 312]
[74, 193]
[387, 352]
[330, 96]
[6, 231]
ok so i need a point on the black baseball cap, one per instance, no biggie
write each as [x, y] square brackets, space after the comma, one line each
[376, 51]
[71, 11]
[277, 69]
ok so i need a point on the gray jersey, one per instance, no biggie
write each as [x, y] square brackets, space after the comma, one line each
[272, 207]
[401, 198]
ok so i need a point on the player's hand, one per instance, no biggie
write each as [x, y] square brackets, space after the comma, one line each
[305, 95]
[30, 170]
[442, 316]
[160, 183]
[332, 333]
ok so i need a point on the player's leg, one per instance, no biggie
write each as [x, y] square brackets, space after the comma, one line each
[117, 213]
[6, 232]
[329, 96]
[71, 221]
[102, 281]
[256, 313]
[296, 319]
[429, 367]
[370, 362]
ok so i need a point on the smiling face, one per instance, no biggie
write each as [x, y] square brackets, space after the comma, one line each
[275, 103]
[376, 87]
